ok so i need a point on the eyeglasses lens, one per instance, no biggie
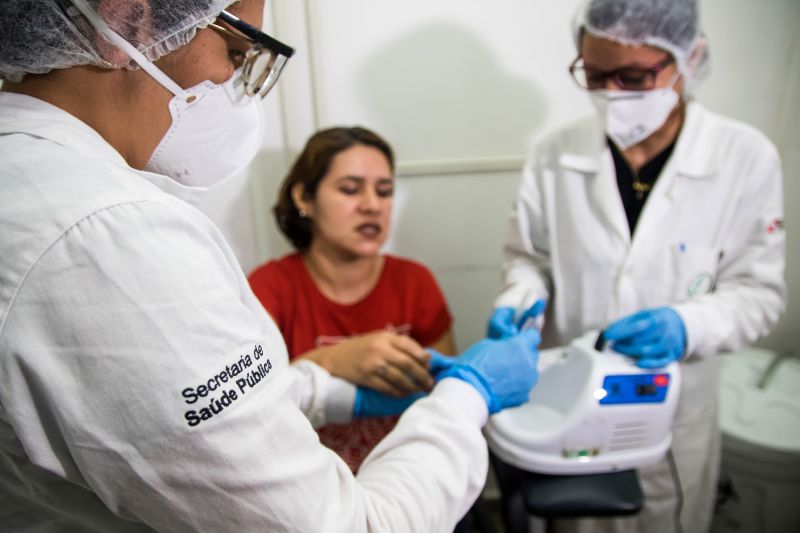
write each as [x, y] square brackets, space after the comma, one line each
[634, 79]
[259, 72]
[262, 66]
[631, 79]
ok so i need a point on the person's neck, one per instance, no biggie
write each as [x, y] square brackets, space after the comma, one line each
[114, 103]
[342, 277]
[640, 154]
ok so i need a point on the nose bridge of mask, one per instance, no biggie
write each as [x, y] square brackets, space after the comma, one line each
[101, 26]
[618, 96]
[674, 79]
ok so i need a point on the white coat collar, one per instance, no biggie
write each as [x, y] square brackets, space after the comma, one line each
[37, 118]
[24, 114]
[692, 155]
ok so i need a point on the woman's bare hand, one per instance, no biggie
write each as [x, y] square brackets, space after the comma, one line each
[383, 360]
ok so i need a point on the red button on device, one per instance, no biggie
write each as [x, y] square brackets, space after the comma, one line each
[661, 380]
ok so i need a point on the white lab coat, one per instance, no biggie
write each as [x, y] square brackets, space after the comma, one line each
[123, 312]
[709, 242]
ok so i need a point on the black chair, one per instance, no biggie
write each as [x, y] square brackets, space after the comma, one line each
[550, 497]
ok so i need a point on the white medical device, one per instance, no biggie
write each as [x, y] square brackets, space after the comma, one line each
[592, 411]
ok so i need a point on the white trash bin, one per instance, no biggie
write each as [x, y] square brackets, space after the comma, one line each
[760, 473]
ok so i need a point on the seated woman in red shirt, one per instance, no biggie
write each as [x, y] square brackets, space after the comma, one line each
[364, 316]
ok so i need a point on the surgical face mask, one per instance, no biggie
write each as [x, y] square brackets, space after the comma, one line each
[216, 129]
[629, 117]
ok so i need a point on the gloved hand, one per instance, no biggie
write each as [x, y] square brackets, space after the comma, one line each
[440, 362]
[501, 323]
[654, 337]
[503, 371]
[370, 403]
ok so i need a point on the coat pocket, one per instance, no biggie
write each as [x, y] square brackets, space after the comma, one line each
[694, 271]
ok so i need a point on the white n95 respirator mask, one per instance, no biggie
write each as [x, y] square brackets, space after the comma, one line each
[214, 135]
[216, 129]
[629, 117]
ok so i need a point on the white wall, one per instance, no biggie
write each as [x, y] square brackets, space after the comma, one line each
[460, 87]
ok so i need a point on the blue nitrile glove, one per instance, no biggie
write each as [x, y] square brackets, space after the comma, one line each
[654, 337]
[531, 314]
[371, 403]
[440, 362]
[501, 323]
[503, 371]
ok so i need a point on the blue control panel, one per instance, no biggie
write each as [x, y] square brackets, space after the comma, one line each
[634, 388]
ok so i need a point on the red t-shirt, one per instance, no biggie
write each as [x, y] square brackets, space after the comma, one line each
[406, 300]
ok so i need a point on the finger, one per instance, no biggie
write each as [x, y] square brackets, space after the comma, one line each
[501, 323]
[631, 349]
[399, 381]
[502, 331]
[411, 347]
[642, 350]
[413, 359]
[527, 343]
[644, 344]
[532, 313]
[378, 383]
[627, 327]
[412, 369]
[654, 350]
[440, 362]
[530, 338]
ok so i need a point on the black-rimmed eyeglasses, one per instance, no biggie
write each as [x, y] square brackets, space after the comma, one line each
[627, 78]
[263, 62]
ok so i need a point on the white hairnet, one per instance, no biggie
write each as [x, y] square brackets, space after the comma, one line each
[37, 36]
[672, 25]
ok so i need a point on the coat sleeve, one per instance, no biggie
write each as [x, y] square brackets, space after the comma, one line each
[526, 275]
[750, 291]
[138, 371]
[323, 398]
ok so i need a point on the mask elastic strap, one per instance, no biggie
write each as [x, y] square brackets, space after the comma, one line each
[101, 26]
[674, 79]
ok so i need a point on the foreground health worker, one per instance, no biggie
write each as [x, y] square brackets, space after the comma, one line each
[661, 222]
[338, 301]
[142, 385]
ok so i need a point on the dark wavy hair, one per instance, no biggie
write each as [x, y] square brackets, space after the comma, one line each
[310, 167]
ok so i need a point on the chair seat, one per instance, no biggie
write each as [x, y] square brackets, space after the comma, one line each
[523, 494]
[613, 494]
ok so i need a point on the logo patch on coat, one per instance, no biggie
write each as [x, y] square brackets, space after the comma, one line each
[702, 284]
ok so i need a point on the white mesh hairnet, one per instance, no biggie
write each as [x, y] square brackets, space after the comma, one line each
[37, 36]
[672, 25]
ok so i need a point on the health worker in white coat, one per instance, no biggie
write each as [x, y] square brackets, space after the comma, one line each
[142, 385]
[661, 222]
